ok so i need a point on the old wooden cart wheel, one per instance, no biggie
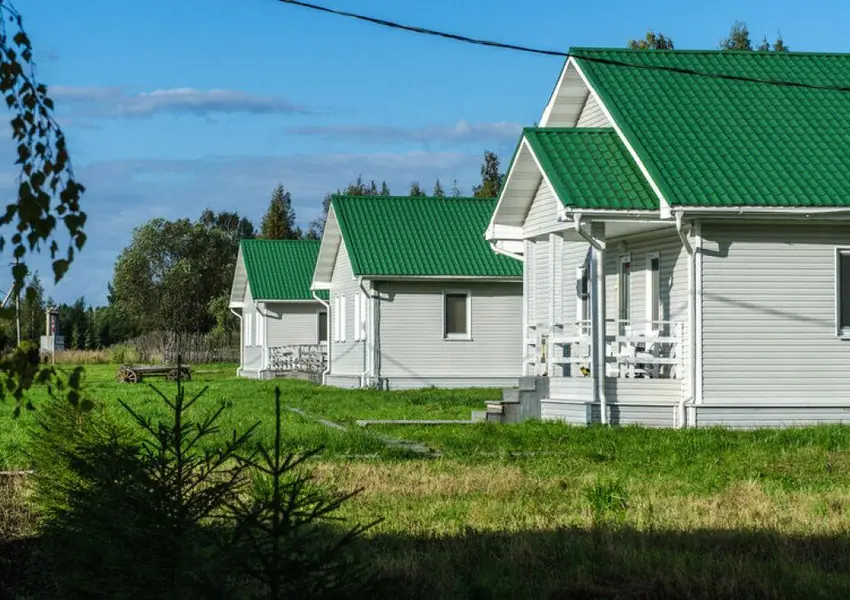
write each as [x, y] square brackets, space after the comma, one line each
[133, 377]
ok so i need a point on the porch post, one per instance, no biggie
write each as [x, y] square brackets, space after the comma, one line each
[597, 319]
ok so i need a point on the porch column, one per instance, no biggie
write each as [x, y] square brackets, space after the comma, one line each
[597, 319]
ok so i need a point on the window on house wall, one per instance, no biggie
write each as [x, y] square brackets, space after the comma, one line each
[249, 330]
[583, 293]
[342, 319]
[456, 315]
[843, 292]
[624, 291]
[323, 326]
[357, 310]
[337, 320]
[653, 292]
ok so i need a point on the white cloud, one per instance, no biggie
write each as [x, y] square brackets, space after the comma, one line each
[115, 103]
[461, 132]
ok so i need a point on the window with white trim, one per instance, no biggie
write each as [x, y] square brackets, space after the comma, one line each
[456, 315]
[624, 290]
[261, 329]
[583, 293]
[342, 319]
[842, 294]
[356, 317]
[653, 292]
[249, 330]
[337, 319]
[323, 327]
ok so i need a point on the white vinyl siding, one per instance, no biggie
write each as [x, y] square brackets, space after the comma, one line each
[412, 345]
[543, 214]
[261, 329]
[592, 114]
[249, 329]
[293, 323]
[252, 355]
[769, 316]
[347, 357]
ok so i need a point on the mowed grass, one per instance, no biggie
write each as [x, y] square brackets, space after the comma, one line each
[543, 510]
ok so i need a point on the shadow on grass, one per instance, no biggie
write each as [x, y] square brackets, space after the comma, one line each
[615, 563]
[573, 563]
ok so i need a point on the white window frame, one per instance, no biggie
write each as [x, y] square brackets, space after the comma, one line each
[249, 329]
[319, 314]
[654, 312]
[842, 330]
[342, 319]
[357, 310]
[260, 324]
[336, 319]
[624, 259]
[582, 303]
[364, 312]
[457, 336]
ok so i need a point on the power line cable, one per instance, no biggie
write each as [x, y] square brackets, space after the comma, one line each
[558, 53]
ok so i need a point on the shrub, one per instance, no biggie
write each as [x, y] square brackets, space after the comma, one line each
[165, 509]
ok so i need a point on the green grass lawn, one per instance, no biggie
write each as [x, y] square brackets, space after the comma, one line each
[543, 510]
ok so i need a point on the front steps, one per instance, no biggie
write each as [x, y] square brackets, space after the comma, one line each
[520, 403]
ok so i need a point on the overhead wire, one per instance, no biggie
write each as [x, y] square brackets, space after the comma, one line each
[559, 53]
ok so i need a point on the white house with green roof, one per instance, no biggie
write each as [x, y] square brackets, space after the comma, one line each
[417, 298]
[684, 226]
[284, 325]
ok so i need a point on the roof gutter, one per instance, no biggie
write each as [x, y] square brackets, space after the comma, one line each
[597, 244]
[495, 247]
[330, 346]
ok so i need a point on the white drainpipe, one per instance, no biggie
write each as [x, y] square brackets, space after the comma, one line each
[241, 341]
[330, 345]
[598, 293]
[692, 300]
[367, 358]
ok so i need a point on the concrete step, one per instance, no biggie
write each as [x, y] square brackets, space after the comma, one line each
[478, 416]
[511, 395]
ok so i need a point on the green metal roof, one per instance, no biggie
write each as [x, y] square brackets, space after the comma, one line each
[420, 237]
[280, 269]
[714, 142]
[591, 169]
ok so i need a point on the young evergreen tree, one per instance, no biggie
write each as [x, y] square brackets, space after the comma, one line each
[279, 220]
[439, 192]
[416, 190]
[491, 178]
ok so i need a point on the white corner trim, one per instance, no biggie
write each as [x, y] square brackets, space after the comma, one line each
[664, 205]
[653, 301]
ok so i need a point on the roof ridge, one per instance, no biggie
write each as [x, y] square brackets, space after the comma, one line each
[418, 198]
[569, 129]
[703, 51]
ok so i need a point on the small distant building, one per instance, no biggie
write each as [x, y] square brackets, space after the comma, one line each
[52, 341]
[284, 324]
[417, 298]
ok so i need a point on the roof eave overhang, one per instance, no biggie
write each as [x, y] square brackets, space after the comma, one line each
[570, 214]
[443, 277]
[767, 212]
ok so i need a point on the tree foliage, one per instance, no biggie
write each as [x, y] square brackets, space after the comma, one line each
[439, 192]
[652, 41]
[48, 191]
[491, 177]
[170, 273]
[356, 188]
[416, 190]
[279, 220]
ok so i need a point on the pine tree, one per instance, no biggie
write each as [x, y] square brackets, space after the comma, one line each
[385, 189]
[415, 190]
[439, 192]
[491, 179]
[456, 191]
[279, 220]
[738, 38]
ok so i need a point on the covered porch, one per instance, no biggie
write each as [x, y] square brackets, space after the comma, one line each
[620, 363]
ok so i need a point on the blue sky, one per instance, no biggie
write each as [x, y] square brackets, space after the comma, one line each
[174, 106]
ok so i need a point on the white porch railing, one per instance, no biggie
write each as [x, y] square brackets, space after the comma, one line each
[644, 350]
[306, 358]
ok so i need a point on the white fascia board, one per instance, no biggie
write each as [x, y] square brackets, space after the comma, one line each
[795, 211]
[570, 214]
[483, 278]
[665, 212]
[489, 233]
[504, 232]
[274, 301]
[236, 305]
[544, 120]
